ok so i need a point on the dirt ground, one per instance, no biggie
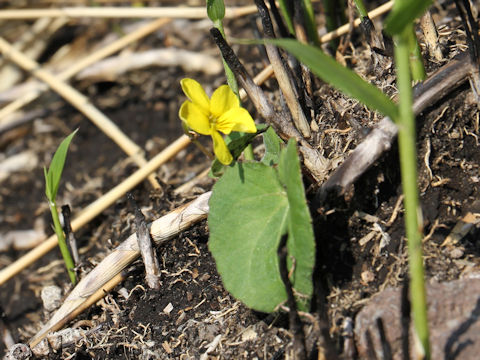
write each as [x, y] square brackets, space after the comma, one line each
[361, 247]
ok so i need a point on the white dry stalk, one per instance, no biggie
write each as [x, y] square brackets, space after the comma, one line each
[108, 12]
[110, 69]
[161, 230]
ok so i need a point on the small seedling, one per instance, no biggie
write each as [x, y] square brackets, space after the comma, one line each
[52, 182]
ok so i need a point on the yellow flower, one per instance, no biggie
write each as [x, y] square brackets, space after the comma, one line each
[209, 116]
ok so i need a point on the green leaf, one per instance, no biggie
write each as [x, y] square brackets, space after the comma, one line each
[273, 145]
[54, 173]
[301, 240]
[404, 13]
[339, 76]
[236, 147]
[215, 9]
[250, 210]
[248, 215]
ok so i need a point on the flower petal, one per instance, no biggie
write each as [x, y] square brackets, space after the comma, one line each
[223, 99]
[195, 118]
[196, 94]
[220, 149]
[237, 119]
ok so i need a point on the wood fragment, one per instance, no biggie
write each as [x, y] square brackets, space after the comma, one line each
[67, 229]
[149, 255]
[431, 36]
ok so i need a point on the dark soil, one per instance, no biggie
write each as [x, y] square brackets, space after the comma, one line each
[360, 237]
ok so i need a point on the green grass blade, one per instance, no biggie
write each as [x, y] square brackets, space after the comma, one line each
[54, 173]
[286, 11]
[403, 13]
[339, 76]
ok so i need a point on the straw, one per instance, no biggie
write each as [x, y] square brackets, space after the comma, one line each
[125, 12]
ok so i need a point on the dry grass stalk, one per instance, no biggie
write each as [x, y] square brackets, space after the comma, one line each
[283, 76]
[161, 230]
[124, 12]
[190, 61]
[95, 208]
[84, 63]
[79, 101]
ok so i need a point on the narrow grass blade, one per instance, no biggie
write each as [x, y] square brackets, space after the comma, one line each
[54, 173]
[339, 76]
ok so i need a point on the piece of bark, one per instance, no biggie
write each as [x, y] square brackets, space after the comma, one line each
[149, 255]
[453, 322]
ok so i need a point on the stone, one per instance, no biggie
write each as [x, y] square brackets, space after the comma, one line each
[453, 315]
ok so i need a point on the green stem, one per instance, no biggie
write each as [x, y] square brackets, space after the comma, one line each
[333, 17]
[416, 60]
[248, 152]
[62, 244]
[362, 10]
[286, 10]
[310, 23]
[408, 158]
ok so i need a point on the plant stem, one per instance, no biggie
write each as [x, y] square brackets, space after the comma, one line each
[362, 10]
[310, 23]
[287, 12]
[408, 157]
[416, 60]
[62, 244]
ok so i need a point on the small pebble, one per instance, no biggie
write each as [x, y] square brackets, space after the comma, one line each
[457, 253]
[52, 297]
[19, 352]
[367, 276]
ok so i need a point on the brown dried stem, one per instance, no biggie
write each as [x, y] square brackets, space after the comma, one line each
[282, 74]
